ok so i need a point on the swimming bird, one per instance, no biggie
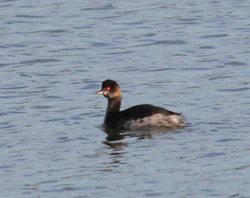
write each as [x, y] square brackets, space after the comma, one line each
[141, 116]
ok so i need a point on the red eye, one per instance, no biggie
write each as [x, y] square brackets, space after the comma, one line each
[108, 88]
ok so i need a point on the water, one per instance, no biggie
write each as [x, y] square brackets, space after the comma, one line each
[190, 57]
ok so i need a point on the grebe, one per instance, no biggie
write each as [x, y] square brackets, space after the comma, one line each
[137, 117]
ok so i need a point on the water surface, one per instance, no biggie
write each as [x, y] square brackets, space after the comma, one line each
[190, 57]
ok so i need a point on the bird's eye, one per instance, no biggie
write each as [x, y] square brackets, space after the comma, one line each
[108, 88]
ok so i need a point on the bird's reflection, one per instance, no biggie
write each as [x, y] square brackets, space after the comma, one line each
[116, 138]
[117, 142]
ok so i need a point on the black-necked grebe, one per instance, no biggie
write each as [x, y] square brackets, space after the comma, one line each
[136, 117]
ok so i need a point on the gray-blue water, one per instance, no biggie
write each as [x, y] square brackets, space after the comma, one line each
[187, 56]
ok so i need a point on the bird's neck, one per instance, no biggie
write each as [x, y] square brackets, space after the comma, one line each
[114, 105]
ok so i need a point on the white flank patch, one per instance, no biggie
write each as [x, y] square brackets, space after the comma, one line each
[157, 120]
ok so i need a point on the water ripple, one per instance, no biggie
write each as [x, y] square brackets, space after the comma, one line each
[215, 36]
[235, 89]
[99, 8]
[163, 42]
[29, 16]
[34, 61]
[42, 107]
[13, 87]
[235, 63]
